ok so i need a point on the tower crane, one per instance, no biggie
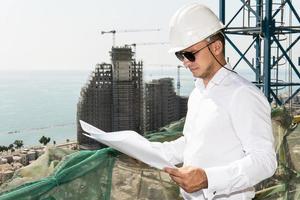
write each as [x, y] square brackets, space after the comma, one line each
[178, 79]
[145, 44]
[113, 32]
[178, 86]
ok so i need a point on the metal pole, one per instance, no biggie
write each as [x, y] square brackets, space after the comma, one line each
[258, 43]
[178, 80]
[268, 30]
[222, 11]
[290, 55]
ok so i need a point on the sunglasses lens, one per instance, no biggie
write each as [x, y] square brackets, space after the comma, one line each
[190, 56]
[179, 55]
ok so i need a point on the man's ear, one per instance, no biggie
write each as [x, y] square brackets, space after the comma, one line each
[218, 47]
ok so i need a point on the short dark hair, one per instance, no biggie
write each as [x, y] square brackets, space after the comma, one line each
[219, 36]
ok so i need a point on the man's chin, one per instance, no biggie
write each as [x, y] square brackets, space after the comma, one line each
[197, 75]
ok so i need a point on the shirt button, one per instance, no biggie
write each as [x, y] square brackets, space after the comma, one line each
[214, 192]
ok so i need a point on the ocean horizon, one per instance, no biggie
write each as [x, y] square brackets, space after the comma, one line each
[36, 103]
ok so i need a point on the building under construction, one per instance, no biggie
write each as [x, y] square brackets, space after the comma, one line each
[112, 99]
[162, 105]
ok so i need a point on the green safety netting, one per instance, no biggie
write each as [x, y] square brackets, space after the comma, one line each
[103, 174]
[285, 184]
[107, 174]
[79, 175]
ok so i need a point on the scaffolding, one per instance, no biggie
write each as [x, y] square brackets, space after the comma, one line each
[94, 104]
[264, 21]
[162, 105]
[112, 99]
[127, 98]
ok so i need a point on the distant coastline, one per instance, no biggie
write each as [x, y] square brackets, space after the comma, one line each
[38, 128]
[34, 103]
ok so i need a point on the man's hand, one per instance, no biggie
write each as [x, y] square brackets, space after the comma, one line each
[190, 179]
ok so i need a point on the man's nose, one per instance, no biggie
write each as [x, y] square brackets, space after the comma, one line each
[186, 63]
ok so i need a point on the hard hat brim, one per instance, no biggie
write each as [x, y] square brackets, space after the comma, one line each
[173, 50]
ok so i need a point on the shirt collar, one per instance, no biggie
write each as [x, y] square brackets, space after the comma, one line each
[216, 79]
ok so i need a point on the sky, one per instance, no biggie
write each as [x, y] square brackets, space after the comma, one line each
[66, 34]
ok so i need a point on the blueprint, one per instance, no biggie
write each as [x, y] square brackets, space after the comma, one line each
[130, 143]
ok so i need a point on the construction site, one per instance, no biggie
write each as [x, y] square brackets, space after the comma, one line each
[114, 99]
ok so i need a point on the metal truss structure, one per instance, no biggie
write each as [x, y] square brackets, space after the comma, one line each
[268, 33]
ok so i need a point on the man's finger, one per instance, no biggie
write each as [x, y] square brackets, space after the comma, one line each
[177, 180]
[173, 171]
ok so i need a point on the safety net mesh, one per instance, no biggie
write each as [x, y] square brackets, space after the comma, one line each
[107, 174]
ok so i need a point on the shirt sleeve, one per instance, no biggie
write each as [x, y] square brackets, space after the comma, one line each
[172, 151]
[251, 119]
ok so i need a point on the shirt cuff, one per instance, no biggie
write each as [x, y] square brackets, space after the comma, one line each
[218, 181]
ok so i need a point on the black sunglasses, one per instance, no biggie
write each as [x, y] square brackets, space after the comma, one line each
[189, 55]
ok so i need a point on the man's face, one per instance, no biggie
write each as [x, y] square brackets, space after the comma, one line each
[201, 67]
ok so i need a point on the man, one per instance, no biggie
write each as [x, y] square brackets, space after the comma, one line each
[227, 145]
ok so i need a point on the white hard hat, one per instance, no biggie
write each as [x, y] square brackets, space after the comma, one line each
[191, 24]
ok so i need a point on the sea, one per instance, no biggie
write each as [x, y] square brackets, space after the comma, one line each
[40, 103]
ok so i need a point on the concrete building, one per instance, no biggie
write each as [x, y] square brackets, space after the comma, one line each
[9, 158]
[31, 155]
[182, 106]
[112, 99]
[15, 166]
[6, 172]
[5, 167]
[3, 161]
[162, 105]
[5, 175]
[127, 90]
[24, 159]
[17, 159]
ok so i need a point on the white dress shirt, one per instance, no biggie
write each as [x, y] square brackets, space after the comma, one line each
[227, 133]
